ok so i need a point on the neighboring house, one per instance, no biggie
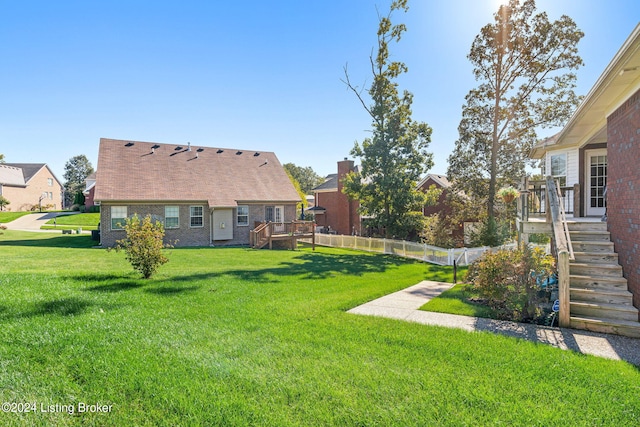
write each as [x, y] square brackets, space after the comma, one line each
[461, 234]
[203, 195]
[334, 211]
[30, 185]
[89, 191]
[599, 149]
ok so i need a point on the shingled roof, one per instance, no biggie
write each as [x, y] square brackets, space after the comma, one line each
[135, 171]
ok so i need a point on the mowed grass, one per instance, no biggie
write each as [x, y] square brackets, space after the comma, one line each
[258, 337]
[11, 216]
[87, 221]
[457, 300]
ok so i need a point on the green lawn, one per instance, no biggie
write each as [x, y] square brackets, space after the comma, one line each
[456, 301]
[86, 221]
[11, 216]
[258, 337]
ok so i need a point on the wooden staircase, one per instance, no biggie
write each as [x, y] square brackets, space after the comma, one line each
[599, 297]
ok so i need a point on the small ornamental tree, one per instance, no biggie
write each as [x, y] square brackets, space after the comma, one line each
[144, 244]
[3, 202]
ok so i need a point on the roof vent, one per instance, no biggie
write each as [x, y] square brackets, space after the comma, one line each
[256, 154]
[200, 150]
[220, 150]
[129, 144]
[178, 148]
[153, 148]
[238, 153]
[188, 146]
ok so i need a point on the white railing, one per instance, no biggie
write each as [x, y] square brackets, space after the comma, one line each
[413, 250]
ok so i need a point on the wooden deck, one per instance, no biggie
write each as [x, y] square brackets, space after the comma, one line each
[267, 232]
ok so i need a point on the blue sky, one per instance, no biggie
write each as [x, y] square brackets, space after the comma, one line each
[258, 75]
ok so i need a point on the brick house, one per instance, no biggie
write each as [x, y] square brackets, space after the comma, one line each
[204, 195]
[30, 185]
[89, 191]
[334, 211]
[599, 149]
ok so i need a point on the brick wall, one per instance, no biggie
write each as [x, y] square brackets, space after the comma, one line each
[185, 234]
[623, 188]
[341, 213]
[23, 199]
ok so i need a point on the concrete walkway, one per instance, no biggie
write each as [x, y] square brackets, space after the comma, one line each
[404, 304]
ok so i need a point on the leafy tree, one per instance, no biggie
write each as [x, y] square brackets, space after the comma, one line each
[1, 158]
[3, 202]
[395, 156]
[521, 62]
[144, 244]
[304, 176]
[76, 170]
[296, 185]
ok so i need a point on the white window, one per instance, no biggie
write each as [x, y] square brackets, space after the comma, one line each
[559, 168]
[118, 217]
[171, 217]
[50, 182]
[196, 216]
[243, 215]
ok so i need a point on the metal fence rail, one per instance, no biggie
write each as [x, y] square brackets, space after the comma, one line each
[413, 250]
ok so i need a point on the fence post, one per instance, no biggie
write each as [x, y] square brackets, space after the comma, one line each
[564, 318]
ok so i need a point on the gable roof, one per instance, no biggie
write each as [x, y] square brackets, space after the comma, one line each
[618, 82]
[223, 177]
[330, 183]
[11, 175]
[440, 180]
[26, 171]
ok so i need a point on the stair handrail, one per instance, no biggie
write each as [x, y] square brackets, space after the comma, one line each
[563, 220]
[258, 232]
[562, 243]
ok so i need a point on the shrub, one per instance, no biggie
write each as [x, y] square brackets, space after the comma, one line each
[506, 280]
[144, 244]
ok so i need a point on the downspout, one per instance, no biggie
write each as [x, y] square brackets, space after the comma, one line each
[211, 227]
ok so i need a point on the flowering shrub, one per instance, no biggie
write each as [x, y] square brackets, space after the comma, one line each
[144, 244]
[506, 281]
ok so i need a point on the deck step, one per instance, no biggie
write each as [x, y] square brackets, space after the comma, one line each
[604, 311]
[586, 281]
[585, 246]
[586, 226]
[590, 236]
[609, 326]
[606, 296]
[595, 270]
[596, 257]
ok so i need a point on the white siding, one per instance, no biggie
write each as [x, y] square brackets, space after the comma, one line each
[573, 170]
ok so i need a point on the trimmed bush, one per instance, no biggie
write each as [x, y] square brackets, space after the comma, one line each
[506, 281]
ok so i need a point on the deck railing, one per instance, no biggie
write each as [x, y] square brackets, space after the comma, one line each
[266, 232]
[563, 249]
[535, 197]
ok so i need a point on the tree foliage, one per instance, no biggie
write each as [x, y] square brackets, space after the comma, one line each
[1, 158]
[144, 244]
[306, 177]
[76, 171]
[522, 63]
[393, 159]
[3, 202]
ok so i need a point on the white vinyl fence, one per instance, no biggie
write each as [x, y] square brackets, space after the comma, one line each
[420, 251]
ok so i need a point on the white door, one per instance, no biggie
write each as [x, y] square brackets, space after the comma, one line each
[222, 220]
[596, 168]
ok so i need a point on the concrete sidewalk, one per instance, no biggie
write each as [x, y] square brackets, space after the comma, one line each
[404, 304]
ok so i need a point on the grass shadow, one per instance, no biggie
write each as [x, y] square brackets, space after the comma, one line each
[59, 307]
[172, 290]
[310, 266]
[50, 240]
